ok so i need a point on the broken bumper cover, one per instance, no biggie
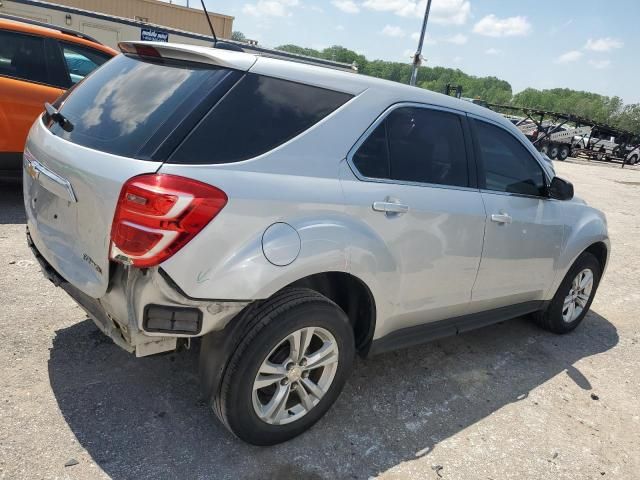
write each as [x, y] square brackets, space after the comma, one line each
[120, 313]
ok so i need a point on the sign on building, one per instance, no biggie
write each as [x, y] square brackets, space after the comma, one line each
[153, 35]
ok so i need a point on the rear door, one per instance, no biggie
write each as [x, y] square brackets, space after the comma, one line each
[25, 84]
[125, 117]
[413, 187]
[525, 228]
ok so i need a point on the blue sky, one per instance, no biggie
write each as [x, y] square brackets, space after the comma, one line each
[581, 44]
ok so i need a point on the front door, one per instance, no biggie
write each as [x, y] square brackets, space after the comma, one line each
[410, 184]
[524, 227]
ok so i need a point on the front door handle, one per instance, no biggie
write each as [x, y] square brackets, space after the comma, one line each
[390, 207]
[501, 218]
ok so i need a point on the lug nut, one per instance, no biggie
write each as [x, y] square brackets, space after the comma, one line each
[284, 381]
[303, 362]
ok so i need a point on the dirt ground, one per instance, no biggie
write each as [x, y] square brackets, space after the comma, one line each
[505, 402]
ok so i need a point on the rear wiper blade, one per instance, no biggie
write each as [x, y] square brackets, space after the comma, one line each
[57, 117]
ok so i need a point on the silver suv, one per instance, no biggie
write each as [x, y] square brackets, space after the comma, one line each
[293, 216]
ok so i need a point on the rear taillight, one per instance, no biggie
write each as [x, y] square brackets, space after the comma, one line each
[157, 215]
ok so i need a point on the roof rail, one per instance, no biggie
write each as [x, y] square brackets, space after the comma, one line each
[67, 31]
[294, 57]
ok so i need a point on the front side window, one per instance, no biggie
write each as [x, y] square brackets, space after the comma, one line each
[22, 57]
[508, 165]
[81, 61]
[257, 115]
[415, 144]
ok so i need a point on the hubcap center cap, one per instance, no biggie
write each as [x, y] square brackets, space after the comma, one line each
[294, 374]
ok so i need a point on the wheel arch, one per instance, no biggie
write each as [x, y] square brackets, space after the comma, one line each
[353, 296]
[601, 251]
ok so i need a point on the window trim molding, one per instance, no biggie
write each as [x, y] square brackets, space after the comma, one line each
[470, 156]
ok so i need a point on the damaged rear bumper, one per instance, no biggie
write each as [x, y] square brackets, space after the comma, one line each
[123, 313]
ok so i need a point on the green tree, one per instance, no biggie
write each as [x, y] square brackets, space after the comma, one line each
[491, 89]
[238, 36]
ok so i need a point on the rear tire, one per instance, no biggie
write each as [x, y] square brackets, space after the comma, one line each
[573, 299]
[553, 151]
[271, 391]
[544, 149]
[633, 160]
[563, 154]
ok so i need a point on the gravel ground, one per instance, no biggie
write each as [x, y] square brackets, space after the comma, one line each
[505, 402]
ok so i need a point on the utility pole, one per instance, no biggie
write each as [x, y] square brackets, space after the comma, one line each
[417, 58]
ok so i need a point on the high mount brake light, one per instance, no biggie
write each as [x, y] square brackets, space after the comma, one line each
[142, 50]
[158, 214]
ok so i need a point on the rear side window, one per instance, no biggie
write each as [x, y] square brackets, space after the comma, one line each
[81, 61]
[257, 115]
[508, 166]
[22, 57]
[131, 105]
[416, 145]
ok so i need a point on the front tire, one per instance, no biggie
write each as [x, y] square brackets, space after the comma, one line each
[288, 369]
[574, 296]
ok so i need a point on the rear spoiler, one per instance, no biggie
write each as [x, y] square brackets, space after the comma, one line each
[191, 53]
[229, 54]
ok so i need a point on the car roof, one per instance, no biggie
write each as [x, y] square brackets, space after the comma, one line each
[17, 25]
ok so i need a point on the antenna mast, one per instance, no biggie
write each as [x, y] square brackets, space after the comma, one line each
[213, 32]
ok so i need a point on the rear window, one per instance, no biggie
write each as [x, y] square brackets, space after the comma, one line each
[131, 105]
[257, 115]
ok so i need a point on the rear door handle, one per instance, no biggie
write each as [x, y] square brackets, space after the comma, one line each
[390, 207]
[501, 218]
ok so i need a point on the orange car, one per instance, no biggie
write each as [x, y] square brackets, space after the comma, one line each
[38, 62]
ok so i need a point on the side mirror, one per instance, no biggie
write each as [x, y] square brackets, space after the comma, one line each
[561, 189]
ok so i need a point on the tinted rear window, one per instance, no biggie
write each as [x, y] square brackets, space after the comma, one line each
[257, 115]
[131, 103]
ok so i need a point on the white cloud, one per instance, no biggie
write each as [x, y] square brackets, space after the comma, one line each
[393, 31]
[603, 44]
[492, 51]
[492, 26]
[347, 6]
[340, 28]
[447, 12]
[457, 39]
[271, 8]
[568, 57]
[600, 64]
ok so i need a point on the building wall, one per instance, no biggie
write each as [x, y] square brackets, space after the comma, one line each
[110, 28]
[159, 13]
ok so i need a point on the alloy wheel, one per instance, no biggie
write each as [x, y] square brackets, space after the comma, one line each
[576, 301]
[295, 375]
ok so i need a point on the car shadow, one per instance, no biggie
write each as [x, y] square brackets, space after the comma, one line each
[11, 203]
[143, 418]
